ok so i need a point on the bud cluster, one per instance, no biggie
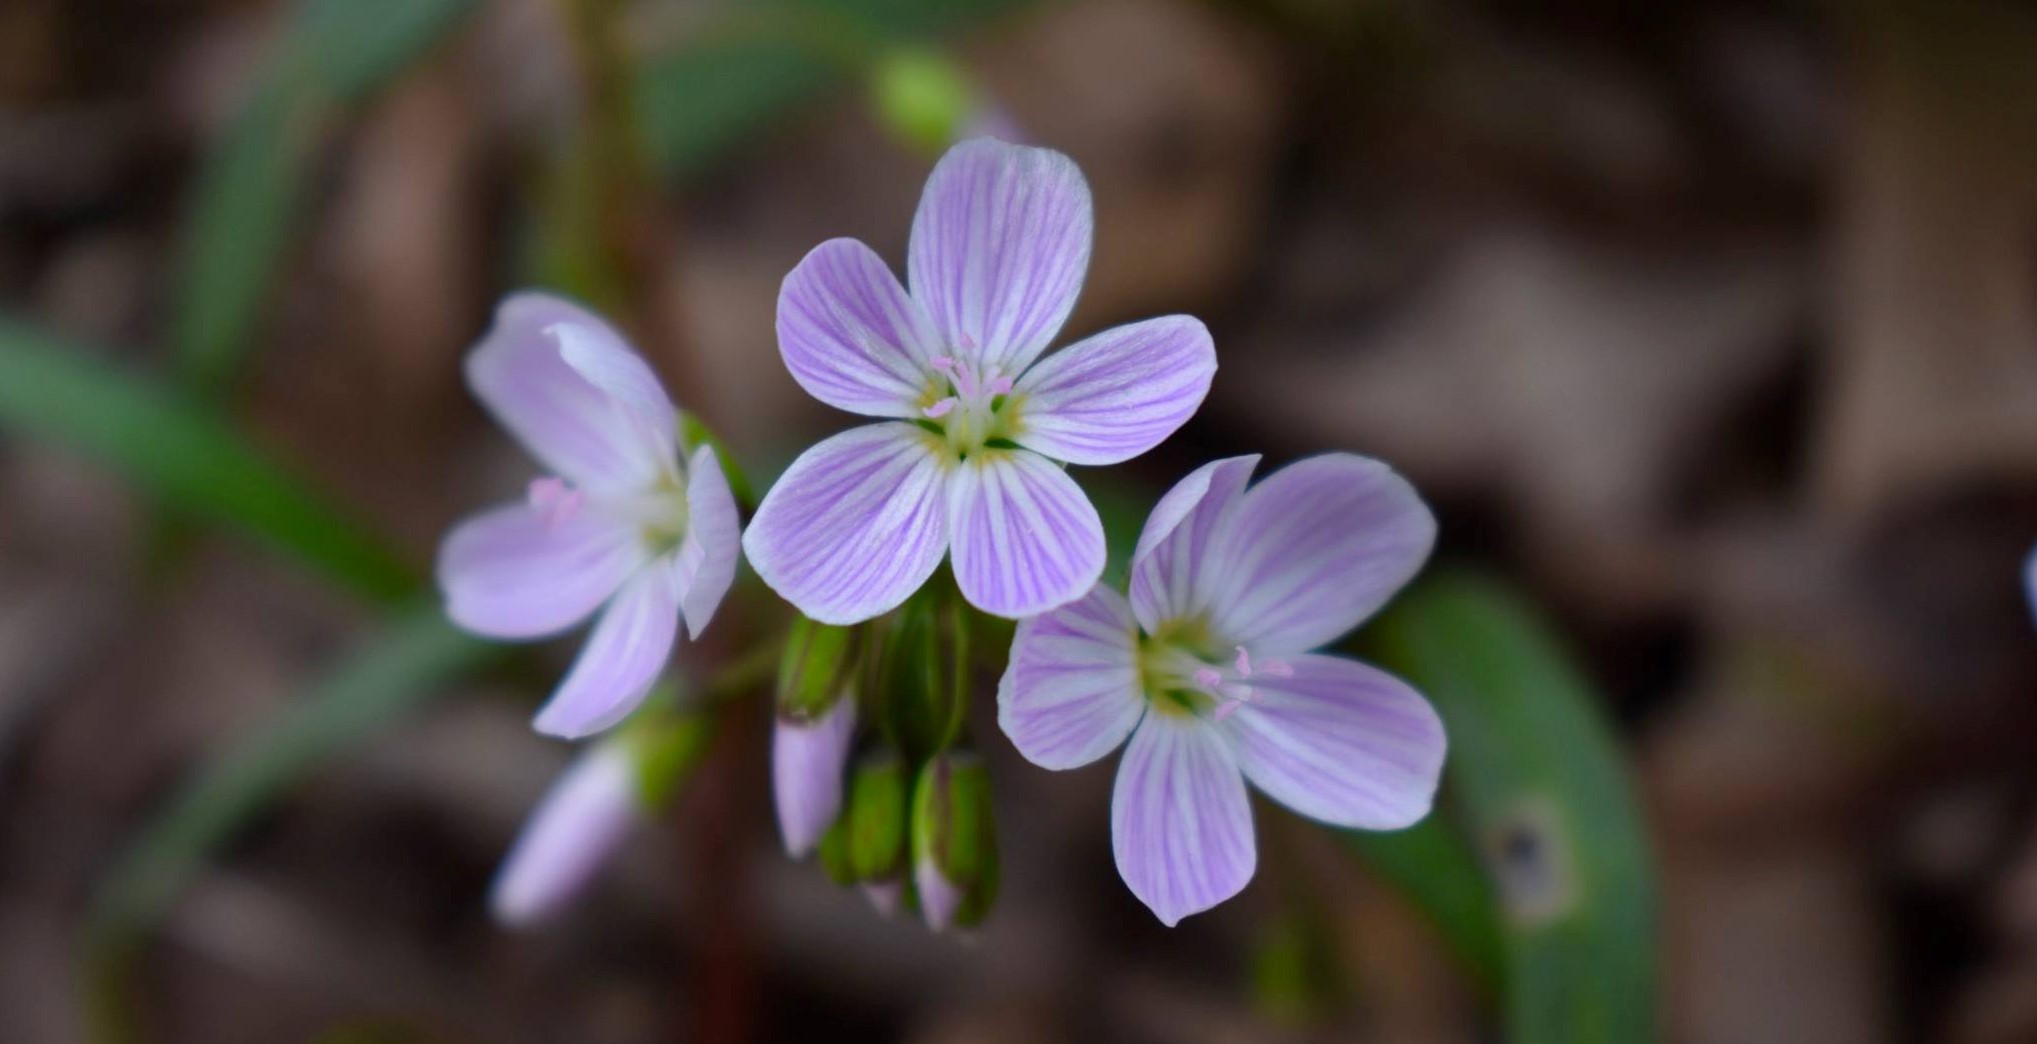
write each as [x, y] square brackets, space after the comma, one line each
[869, 765]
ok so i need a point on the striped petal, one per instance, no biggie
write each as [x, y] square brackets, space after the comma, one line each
[1070, 693]
[1315, 549]
[1000, 245]
[1341, 742]
[1111, 397]
[1180, 824]
[1174, 561]
[705, 564]
[594, 419]
[515, 573]
[1025, 537]
[852, 337]
[855, 525]
[620, 661]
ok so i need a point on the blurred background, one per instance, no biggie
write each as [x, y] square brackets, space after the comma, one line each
[1709, 330]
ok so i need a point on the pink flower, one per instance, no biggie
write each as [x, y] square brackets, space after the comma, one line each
[632, 523]
[1207, 670]
[969, 459]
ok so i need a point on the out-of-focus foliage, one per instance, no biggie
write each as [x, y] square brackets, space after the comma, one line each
[748, 69]
[179, 451]
[1540, 785]
[419, 651]
[337, 52]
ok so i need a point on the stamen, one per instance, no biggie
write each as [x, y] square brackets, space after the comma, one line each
[1001, 386]
[941, 408]
[1244, 662]
[1209, 678]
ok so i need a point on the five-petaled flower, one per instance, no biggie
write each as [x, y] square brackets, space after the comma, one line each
[1207, 668]
[969, 459]
[631, 518]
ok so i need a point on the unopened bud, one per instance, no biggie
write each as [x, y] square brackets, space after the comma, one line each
[878, 793]
[816, 670]
[923, 680]
[808, 758]
[884, 896]
[572, 834]
[954, 841]
[923, 98]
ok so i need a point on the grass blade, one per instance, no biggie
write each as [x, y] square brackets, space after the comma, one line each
[1537, 777]
[338, 52]
[180, 452]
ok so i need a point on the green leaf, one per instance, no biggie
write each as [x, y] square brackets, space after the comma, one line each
[392, 674]
[1537, 776]
[337, 53]
[57, 392]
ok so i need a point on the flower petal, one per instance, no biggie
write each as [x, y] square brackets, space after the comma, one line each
[620, 661]
[852, 337]
[1070, 693]
[603, 359]
[1315, 549]
[514, 573]
[855, 525]
[1180, 824]
[572, 833]
[1025, 537]
[705, 563]
[1110, 397]
[573, 425]
[1000, 245]
[1341, 741]
[808, 759]
[1173, 564]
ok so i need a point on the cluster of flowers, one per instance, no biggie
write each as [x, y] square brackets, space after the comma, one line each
[1203, 669]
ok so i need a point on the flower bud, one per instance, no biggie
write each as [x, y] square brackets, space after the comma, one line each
[922, 678]
[571, 835]
[954, 841]
[922, 97]
[878, 793]
[884, 896]
[816, 670]
[807, 761]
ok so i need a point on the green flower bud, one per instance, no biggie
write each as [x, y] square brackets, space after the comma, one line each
[834, 853]
[876, 817]
[954, 841]
[922, 97]
[923, 675]
[818, 667]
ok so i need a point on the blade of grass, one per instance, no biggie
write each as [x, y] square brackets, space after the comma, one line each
[415, 655]
[56, 392]
[337, 53]
[1537, 777]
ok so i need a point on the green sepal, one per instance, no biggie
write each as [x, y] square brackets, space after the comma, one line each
[876, 817]
[817, 668]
